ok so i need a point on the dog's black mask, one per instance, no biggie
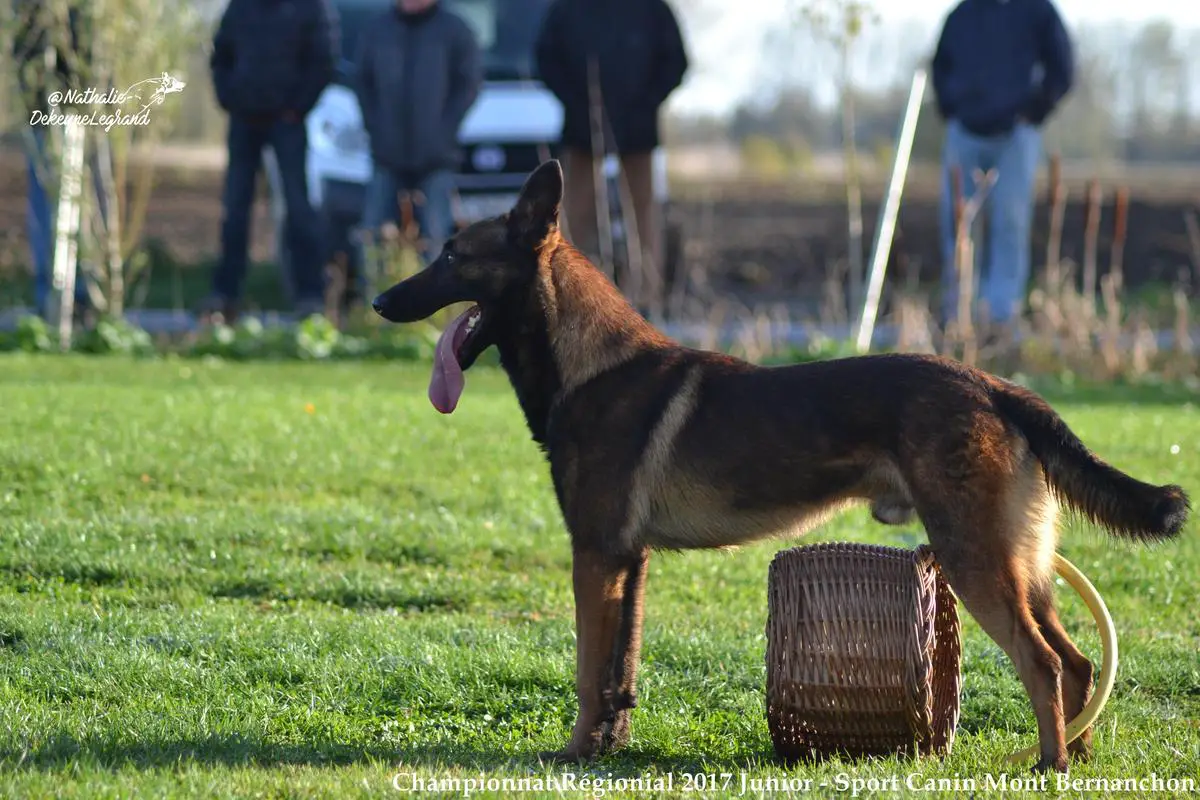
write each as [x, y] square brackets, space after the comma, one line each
[490, 264]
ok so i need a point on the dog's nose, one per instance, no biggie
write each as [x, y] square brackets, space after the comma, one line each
[378, 305]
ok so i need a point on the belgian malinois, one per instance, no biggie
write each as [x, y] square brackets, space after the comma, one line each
[653, 445]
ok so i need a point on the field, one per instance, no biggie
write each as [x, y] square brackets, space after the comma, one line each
[299, 580]
[754, 242]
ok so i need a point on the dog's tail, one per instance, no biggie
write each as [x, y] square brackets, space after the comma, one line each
[1108, 497]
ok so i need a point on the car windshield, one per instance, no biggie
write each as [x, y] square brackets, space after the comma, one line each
[505, 30]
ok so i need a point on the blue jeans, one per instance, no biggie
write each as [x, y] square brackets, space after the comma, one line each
[1009, 206]
[246, 141]
[39, 219]
[434, 217]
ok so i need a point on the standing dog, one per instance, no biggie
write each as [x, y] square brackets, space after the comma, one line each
[656, 446]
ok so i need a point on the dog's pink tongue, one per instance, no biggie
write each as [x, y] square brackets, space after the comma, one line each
[446, 385]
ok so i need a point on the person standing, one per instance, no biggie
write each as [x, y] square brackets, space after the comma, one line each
[419, 70]
[1000, 69]
[271, 60]
[50, 54]
[639, 59]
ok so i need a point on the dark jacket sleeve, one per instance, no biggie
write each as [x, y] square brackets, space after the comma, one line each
[671, 61]
[941, 69]
[466, 77]
[364, 79]
[220, 61]
[1058, 61]
[549, 54]
[321, 54]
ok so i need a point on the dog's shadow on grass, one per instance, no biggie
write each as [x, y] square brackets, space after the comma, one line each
[63, 750]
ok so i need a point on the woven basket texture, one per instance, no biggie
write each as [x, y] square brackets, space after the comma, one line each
[863, 652]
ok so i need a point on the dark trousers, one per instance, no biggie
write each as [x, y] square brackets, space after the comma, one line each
[579, 206]
[289, 140]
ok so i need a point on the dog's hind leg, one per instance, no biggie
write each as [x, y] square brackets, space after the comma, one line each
[1078, 671]
[608, 624]
[992, 527]
[996, 598]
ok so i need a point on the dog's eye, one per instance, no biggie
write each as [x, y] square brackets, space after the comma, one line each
[450, 257]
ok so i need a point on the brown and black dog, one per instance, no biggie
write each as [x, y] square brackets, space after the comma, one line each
[656, 446]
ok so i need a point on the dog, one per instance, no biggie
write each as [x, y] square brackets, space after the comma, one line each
[655, 446]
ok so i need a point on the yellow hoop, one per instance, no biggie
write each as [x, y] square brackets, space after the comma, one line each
[1108, 667]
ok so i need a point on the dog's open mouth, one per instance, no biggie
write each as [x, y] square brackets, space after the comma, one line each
[456, 350]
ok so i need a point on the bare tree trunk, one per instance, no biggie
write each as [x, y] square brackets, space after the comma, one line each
[964, 265]
[853, 186]
[1091, 236]
[1058, 208]
[109, 207]
[636, 274]
[599, 181]
[66, 253]
[1116, 266]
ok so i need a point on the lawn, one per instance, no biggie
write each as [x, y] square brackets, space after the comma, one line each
[246, 580]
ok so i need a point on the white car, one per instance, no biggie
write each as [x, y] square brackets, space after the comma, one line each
[511, 128]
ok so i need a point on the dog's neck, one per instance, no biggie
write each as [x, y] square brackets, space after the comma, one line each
[574, 325]
[591, 326]
[528, 359]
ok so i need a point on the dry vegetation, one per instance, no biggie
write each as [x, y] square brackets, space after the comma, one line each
[760, 258]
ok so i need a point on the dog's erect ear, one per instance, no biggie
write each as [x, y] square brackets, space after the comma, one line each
[536, 211]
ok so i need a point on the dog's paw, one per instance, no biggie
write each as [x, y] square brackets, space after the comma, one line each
[1056, 764]
[616, 734]
[568, 755]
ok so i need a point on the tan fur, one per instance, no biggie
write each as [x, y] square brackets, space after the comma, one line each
[691, 514]
[587, 344]
[651, 475]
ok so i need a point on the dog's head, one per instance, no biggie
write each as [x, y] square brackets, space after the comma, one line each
[492, 263]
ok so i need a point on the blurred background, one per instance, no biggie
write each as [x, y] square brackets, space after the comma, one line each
[754, 152]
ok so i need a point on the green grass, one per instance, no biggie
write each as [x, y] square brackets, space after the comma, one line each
[300, 580]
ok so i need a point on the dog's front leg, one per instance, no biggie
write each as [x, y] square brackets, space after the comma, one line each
[608, 627]
[619, 694]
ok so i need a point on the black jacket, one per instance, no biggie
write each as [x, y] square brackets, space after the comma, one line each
[641, 58]
[416, 77]
[273, 56]
[989, 54]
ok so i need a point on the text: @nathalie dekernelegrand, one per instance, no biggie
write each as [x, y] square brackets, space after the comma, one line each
[107, 119]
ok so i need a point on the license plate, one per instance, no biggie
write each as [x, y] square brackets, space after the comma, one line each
[474, 207]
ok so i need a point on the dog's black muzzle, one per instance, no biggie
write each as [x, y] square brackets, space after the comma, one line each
[420, 296]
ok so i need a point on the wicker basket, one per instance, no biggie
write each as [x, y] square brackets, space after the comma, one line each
[863, 652]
